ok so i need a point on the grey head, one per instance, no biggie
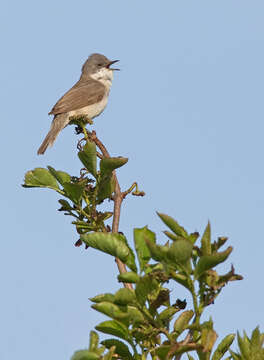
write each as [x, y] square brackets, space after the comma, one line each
[96, 62]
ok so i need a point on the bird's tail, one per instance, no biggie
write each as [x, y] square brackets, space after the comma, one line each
[58, 123]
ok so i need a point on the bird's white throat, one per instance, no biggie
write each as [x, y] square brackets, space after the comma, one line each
[105, 76]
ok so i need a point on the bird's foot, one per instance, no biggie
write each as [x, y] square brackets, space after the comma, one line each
[80, 120]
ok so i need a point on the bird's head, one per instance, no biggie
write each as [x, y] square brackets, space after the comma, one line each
[96, 63]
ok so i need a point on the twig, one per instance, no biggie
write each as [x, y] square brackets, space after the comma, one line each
[135, 193]
[184, 342]
[118, 198]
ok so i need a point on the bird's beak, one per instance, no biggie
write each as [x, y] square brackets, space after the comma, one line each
[111, 63]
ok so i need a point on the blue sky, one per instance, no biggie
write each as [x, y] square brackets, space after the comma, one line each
[186, 109]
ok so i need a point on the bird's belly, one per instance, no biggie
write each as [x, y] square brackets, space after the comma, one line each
[91, 110]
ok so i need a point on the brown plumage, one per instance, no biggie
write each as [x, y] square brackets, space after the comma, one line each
[58, 123]
[83, 93]
[87, 97]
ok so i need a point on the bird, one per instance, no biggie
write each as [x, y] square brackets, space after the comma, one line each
[88, 97]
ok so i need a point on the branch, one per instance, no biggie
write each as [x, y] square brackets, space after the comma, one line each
[184, 342]
[118, 198]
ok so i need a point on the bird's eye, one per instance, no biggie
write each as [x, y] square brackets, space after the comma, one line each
[100, 65]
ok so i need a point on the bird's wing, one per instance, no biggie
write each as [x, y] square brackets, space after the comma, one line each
[82, 94]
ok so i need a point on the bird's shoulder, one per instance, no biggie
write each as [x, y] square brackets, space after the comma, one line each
[84, 93]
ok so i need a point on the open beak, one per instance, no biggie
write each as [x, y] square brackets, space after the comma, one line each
[111, 63]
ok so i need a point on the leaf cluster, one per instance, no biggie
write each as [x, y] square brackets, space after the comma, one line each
[249, 348]
[84, 192]
[146, 318]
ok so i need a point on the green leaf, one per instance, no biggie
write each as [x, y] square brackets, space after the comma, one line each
[144, 287]
[244, 347]
[210, 261]
[114, 327]
[182, 322]
[179, 254]
[223, 347]
[103, 297]
[262, 339]
[110, 309]
[180, 251]
[173, 225]
[74, 191]
[143, 253]
[221, 241]
[40, 177]
[128, 277]
[88, 157]
[167, 314]
[235, 356]
[107, 165]
[85, 355]
[207, 324]
[105, 216]
[162, 351]
[151, 268]
[206, 240]
[161, 297]
[208, 339]
[193, 237]
[120, 348]
[220, 281]
[158, 253]
[106, 187]
[94, 341]
[83, 225]
[124, 297]
[134, 315]
[255, 339]
[113, 244]
[65, 206]
[61, 176]
[110, 354]
[183, 280]
[171, 236]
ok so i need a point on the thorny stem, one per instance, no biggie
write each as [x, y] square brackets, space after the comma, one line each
[118, 198]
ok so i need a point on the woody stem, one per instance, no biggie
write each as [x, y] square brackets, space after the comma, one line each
[118, 198]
